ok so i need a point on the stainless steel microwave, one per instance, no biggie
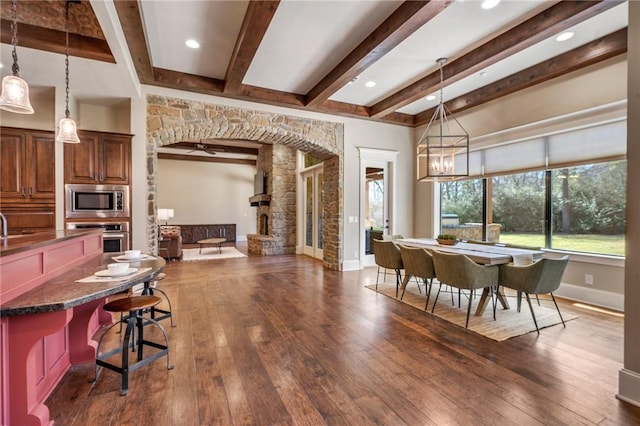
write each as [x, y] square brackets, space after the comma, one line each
[96, 201]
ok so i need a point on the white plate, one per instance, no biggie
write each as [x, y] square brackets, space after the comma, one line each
[107, 273]
[124, 257]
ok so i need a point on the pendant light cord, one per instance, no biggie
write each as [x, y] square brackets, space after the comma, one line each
[14, 39]
[66, 62]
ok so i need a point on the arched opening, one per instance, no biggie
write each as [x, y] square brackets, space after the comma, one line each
[171, 120]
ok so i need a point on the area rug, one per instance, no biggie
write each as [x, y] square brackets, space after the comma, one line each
[210, 253]
[509, 322]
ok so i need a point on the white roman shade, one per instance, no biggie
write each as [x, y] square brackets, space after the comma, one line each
[600, 142]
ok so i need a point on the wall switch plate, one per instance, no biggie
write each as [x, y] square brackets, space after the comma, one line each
[588, 279]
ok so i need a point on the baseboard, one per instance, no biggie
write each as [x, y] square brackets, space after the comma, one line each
[629, 387]
[605, 299]
[351, 265]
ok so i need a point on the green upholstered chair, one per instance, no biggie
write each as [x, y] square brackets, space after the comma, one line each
[387, 256]
[417, 263]
[457, 270]
[541, 277]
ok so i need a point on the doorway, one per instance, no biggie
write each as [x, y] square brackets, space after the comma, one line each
[377, 169]
[312, 211]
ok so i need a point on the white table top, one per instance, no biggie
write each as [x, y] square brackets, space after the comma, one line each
[480, 253]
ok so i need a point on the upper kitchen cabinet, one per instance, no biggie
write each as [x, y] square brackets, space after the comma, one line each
[99, 158]
[28, 166]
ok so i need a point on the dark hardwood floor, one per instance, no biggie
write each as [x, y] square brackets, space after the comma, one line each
[279, 340]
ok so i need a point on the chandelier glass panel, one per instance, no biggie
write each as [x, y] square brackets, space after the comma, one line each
[443, 149]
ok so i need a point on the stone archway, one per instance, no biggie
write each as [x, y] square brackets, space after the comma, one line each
[171, 120]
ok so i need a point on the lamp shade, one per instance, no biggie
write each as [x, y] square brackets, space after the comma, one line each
[165, 214]
[15, 95]
[67, 131]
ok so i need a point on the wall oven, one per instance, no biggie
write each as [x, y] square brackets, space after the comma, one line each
[96, 201]
[115, 235]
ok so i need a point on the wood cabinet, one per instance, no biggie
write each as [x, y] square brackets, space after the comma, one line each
[100, 158]
[27, 183]
[28, 166]
[193, 233]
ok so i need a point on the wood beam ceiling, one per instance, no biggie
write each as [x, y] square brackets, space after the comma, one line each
[553, 20]
[404, 21]
[596, 51]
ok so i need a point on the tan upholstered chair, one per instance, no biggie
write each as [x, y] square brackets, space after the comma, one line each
[417, 263]
[387, 256]
[459, 271]
[541, 277]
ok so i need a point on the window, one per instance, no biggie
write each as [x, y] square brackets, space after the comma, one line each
[564, 191]
[580, 208]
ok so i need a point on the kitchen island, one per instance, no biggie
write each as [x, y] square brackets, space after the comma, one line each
[47, 318]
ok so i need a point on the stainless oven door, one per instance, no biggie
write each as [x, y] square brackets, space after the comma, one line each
[115, 242]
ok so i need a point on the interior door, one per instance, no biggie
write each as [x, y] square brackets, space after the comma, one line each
[377, 171]
[312, 212]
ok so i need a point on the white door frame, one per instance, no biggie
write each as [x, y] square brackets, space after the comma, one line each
[376, 157]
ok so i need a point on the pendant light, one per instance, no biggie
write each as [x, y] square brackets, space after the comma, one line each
[443, 149]
[15, 91]
[67, 128]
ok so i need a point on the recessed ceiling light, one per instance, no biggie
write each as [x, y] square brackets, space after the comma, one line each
[482, 73]
[192, 44]
[490, 4]
[430, 97]
[565, 36]
[370, 83]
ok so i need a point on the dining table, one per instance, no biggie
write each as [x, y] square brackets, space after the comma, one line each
[484, 254]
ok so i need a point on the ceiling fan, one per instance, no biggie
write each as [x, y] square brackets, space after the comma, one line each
[204, 148]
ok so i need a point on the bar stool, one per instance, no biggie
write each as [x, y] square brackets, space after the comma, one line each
[135, 306]
[149, 289]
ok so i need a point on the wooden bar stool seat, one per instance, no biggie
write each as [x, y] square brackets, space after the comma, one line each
[134, 306]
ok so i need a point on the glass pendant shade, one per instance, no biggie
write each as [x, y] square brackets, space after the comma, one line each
[15, 95]
[67, 131]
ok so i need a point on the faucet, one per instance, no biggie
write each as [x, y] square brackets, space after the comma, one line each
[5, 232]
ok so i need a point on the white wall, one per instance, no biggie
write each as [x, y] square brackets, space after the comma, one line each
[208, 193]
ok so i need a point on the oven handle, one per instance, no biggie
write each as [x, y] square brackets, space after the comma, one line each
[110, 235]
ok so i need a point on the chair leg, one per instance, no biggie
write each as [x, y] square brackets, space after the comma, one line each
[427, 289]
[398, 277]
[532, 313]
[466, 324]
[377, 277]
[405, 283]
[436, 300]
[558, 309]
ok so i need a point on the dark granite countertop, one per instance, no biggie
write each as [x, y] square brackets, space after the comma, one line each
[63, 292]
[23, 242]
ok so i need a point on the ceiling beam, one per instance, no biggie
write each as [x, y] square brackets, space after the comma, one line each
[591, 53]
[207, 159]
[131, 23]
[189, 82]
[254, 26]
[404, 21]
[551, 21]
[49, 40]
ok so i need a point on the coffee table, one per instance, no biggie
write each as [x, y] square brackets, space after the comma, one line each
[215, 241]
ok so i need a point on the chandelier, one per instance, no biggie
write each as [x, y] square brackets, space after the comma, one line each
[67, 128]
[443, 148]
[15, 91]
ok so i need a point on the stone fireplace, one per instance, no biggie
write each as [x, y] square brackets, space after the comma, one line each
[171, 120]
[276, 219]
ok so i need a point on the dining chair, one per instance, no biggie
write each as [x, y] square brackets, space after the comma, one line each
[417, 263]
[541, 277]
[459, 271]
[387, 256]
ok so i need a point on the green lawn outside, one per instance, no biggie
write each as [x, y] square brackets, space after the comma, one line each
[589, 243]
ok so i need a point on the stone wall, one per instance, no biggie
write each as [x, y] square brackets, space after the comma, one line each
[172, 120]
